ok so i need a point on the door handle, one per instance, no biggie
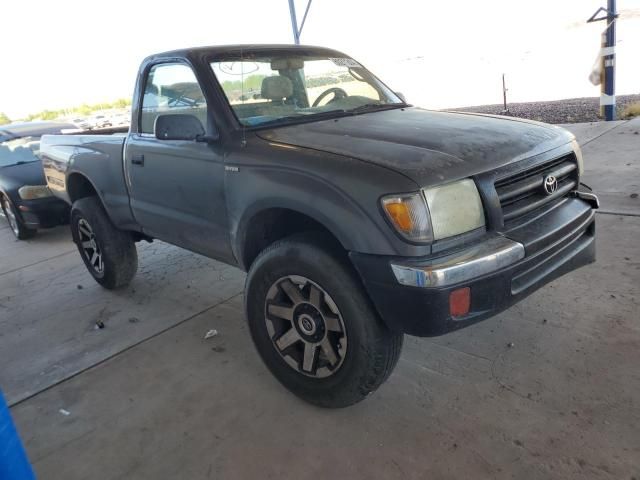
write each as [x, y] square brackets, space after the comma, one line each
[137, 159]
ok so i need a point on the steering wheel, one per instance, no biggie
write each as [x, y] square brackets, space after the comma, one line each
[337, 92]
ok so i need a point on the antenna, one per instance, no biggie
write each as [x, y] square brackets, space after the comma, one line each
[243, 143]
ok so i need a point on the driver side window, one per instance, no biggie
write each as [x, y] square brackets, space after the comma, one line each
[171, 88]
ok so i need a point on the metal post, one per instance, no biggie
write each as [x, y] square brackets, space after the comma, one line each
[608, 96]
[294, 22]
[504, 95]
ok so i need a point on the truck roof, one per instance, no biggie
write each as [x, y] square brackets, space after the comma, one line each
[222, 49]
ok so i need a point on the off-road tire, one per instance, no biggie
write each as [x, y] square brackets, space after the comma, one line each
[372, 349]
[117, 247]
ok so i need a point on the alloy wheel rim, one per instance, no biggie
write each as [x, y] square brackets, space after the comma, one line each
[305, 326]
[11, 216]
[89, 245]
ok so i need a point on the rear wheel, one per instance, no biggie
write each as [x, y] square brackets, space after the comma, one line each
[15, 222]
[109, 254]
[314, 326]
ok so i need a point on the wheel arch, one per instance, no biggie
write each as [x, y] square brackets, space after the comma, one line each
[265, 226]
[79, 186]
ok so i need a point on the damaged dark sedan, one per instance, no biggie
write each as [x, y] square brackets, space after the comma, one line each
[26, 202]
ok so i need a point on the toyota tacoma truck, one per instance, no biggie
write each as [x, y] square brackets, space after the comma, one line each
[358, 217]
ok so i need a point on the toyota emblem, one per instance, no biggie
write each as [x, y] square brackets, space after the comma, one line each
[550, 184]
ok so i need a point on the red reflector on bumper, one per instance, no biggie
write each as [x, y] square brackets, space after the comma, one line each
[460, 302]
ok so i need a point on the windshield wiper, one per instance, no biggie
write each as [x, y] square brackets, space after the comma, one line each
[298, 116]
[316, 114]
[372, 107]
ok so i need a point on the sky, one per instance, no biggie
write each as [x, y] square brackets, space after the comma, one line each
[59, 54]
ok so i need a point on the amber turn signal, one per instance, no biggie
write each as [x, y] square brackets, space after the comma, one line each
[409, 215]
[399, 213]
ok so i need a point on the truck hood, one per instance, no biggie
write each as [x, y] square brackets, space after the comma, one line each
[427, 146]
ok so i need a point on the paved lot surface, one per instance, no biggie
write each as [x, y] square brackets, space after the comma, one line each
[147, 397]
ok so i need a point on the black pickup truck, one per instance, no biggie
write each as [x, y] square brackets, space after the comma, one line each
[358, 217]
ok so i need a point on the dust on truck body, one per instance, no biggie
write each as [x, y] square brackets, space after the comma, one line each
[358, 217]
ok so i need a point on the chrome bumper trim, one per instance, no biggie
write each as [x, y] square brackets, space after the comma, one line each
[486, 257]
[590, 198]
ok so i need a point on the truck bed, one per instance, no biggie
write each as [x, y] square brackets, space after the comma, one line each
[76, 161]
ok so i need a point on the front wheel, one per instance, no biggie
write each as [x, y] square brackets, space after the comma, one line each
[108, 253]
[314, 326]
[15, 222]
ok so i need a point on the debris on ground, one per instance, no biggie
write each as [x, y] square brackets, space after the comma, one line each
[219, 349]
[634, 195]
[64, 412]
[511, 345]
[99, 325]
[210, 334]
[134, 320]
[79, 287]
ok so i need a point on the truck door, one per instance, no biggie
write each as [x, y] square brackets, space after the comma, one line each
[176, 186]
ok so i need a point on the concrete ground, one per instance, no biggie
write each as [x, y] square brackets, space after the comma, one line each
[548, 389]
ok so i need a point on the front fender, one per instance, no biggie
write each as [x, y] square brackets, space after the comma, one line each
[341, 193]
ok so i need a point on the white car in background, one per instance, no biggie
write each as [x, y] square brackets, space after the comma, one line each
[81, 123]
[99, 121]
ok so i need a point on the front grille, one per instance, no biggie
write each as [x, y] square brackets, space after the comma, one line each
[524, 192]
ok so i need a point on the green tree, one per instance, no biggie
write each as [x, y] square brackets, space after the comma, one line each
[49, 114]
[84, 109]
[4, 119]
[121, 103]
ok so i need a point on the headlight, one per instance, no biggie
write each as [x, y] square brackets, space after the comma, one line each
[436, 213]
[31, 192]
[578, 152]
[455, 208]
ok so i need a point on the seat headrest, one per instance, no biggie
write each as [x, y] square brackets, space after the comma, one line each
[276, 87]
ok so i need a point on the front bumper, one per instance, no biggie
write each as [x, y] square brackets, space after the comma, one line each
[412, 296]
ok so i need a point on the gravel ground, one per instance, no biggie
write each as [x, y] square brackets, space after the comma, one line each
[571, 110]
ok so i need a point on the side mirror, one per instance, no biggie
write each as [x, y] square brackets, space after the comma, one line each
[178, 127]
[402, 97]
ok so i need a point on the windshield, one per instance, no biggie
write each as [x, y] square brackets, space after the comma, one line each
[285, 87]
[19, 150]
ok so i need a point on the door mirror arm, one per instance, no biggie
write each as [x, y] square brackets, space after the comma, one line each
[206, 138]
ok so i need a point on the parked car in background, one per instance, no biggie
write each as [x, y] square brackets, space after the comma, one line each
[81, 123]
[120, 119]
[99, 121]
[26, 202]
